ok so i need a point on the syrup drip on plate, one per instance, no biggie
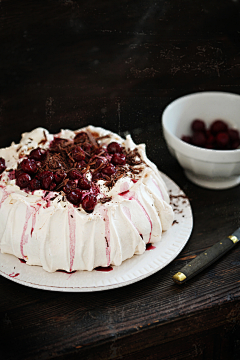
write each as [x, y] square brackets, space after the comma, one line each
[150, 247]
[22, 261]
[104, 269]
[13, 275]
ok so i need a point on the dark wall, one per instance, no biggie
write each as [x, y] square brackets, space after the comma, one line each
[116, 64]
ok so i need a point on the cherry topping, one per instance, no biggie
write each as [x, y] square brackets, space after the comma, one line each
[198, 125]
[2, 165]
[118, 159]
[89, 202]
[75, 196]
[218, 126]
[37, 154]
[29, 166]
[81, 137]
[100, 150]
[109, 170]
[46, 179]
[23, 180]
[87, 148]
[52, 186]
[50, 169]
[35, 184]
[84, 183]
[114, 147]
[74, 174]
[18, 172]
[100, 162]
[96, 176]
[81, 164]
[78, 153]
[199, 139]
[70, 185]
[59, 175]
[57, 141]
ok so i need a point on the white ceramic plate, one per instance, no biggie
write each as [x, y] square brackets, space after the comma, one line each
[132, 270]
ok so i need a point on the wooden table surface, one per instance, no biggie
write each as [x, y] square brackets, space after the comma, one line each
[68, 63]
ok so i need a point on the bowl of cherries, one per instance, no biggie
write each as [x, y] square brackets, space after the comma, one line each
[202, 132]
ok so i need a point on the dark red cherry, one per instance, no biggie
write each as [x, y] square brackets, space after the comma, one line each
[80, 164]
[18, 172]
[84, 183]
[2, 165]
[37, 154]
[35, 184]
[109, 170]
[235, 144]
[12, 175]
[118, 159]
[46, 179]
[75, 196]
[89, 202]
[199, 139]
[222, 140]
[96, 176]
[100, 162]
[198, 125]
[114, 147]
[78, 154]
[57, 141]
[74, 174]
[210, 142]
[29, 166]
[233, 134]
[23, 180]
[187, 139]
[59, 176]
[100, 150]
[87, 148]
[52, 186]
[70, 185]
[218, 126]
[81, 137]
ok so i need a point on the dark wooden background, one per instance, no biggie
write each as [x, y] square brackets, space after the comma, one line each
[117, 64]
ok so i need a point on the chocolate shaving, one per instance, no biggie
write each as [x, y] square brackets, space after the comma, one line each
[131, 157]
[105, 199]
[92, 139]
[43, 141]
[86, 170]
[102, 137]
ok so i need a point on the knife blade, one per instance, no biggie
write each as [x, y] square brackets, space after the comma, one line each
[207, 258]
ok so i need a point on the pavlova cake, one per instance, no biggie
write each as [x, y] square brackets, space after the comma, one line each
[80, 199]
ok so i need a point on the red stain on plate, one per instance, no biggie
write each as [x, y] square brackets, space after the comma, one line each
[22, 261]
[105, 269]
[150, 247]
[13, 275]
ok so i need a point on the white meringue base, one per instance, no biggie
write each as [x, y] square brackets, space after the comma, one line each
[131, 270]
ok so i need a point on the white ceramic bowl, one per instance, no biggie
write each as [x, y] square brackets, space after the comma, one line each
[213, 169]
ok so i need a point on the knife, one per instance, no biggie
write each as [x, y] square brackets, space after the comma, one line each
[206, 258]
